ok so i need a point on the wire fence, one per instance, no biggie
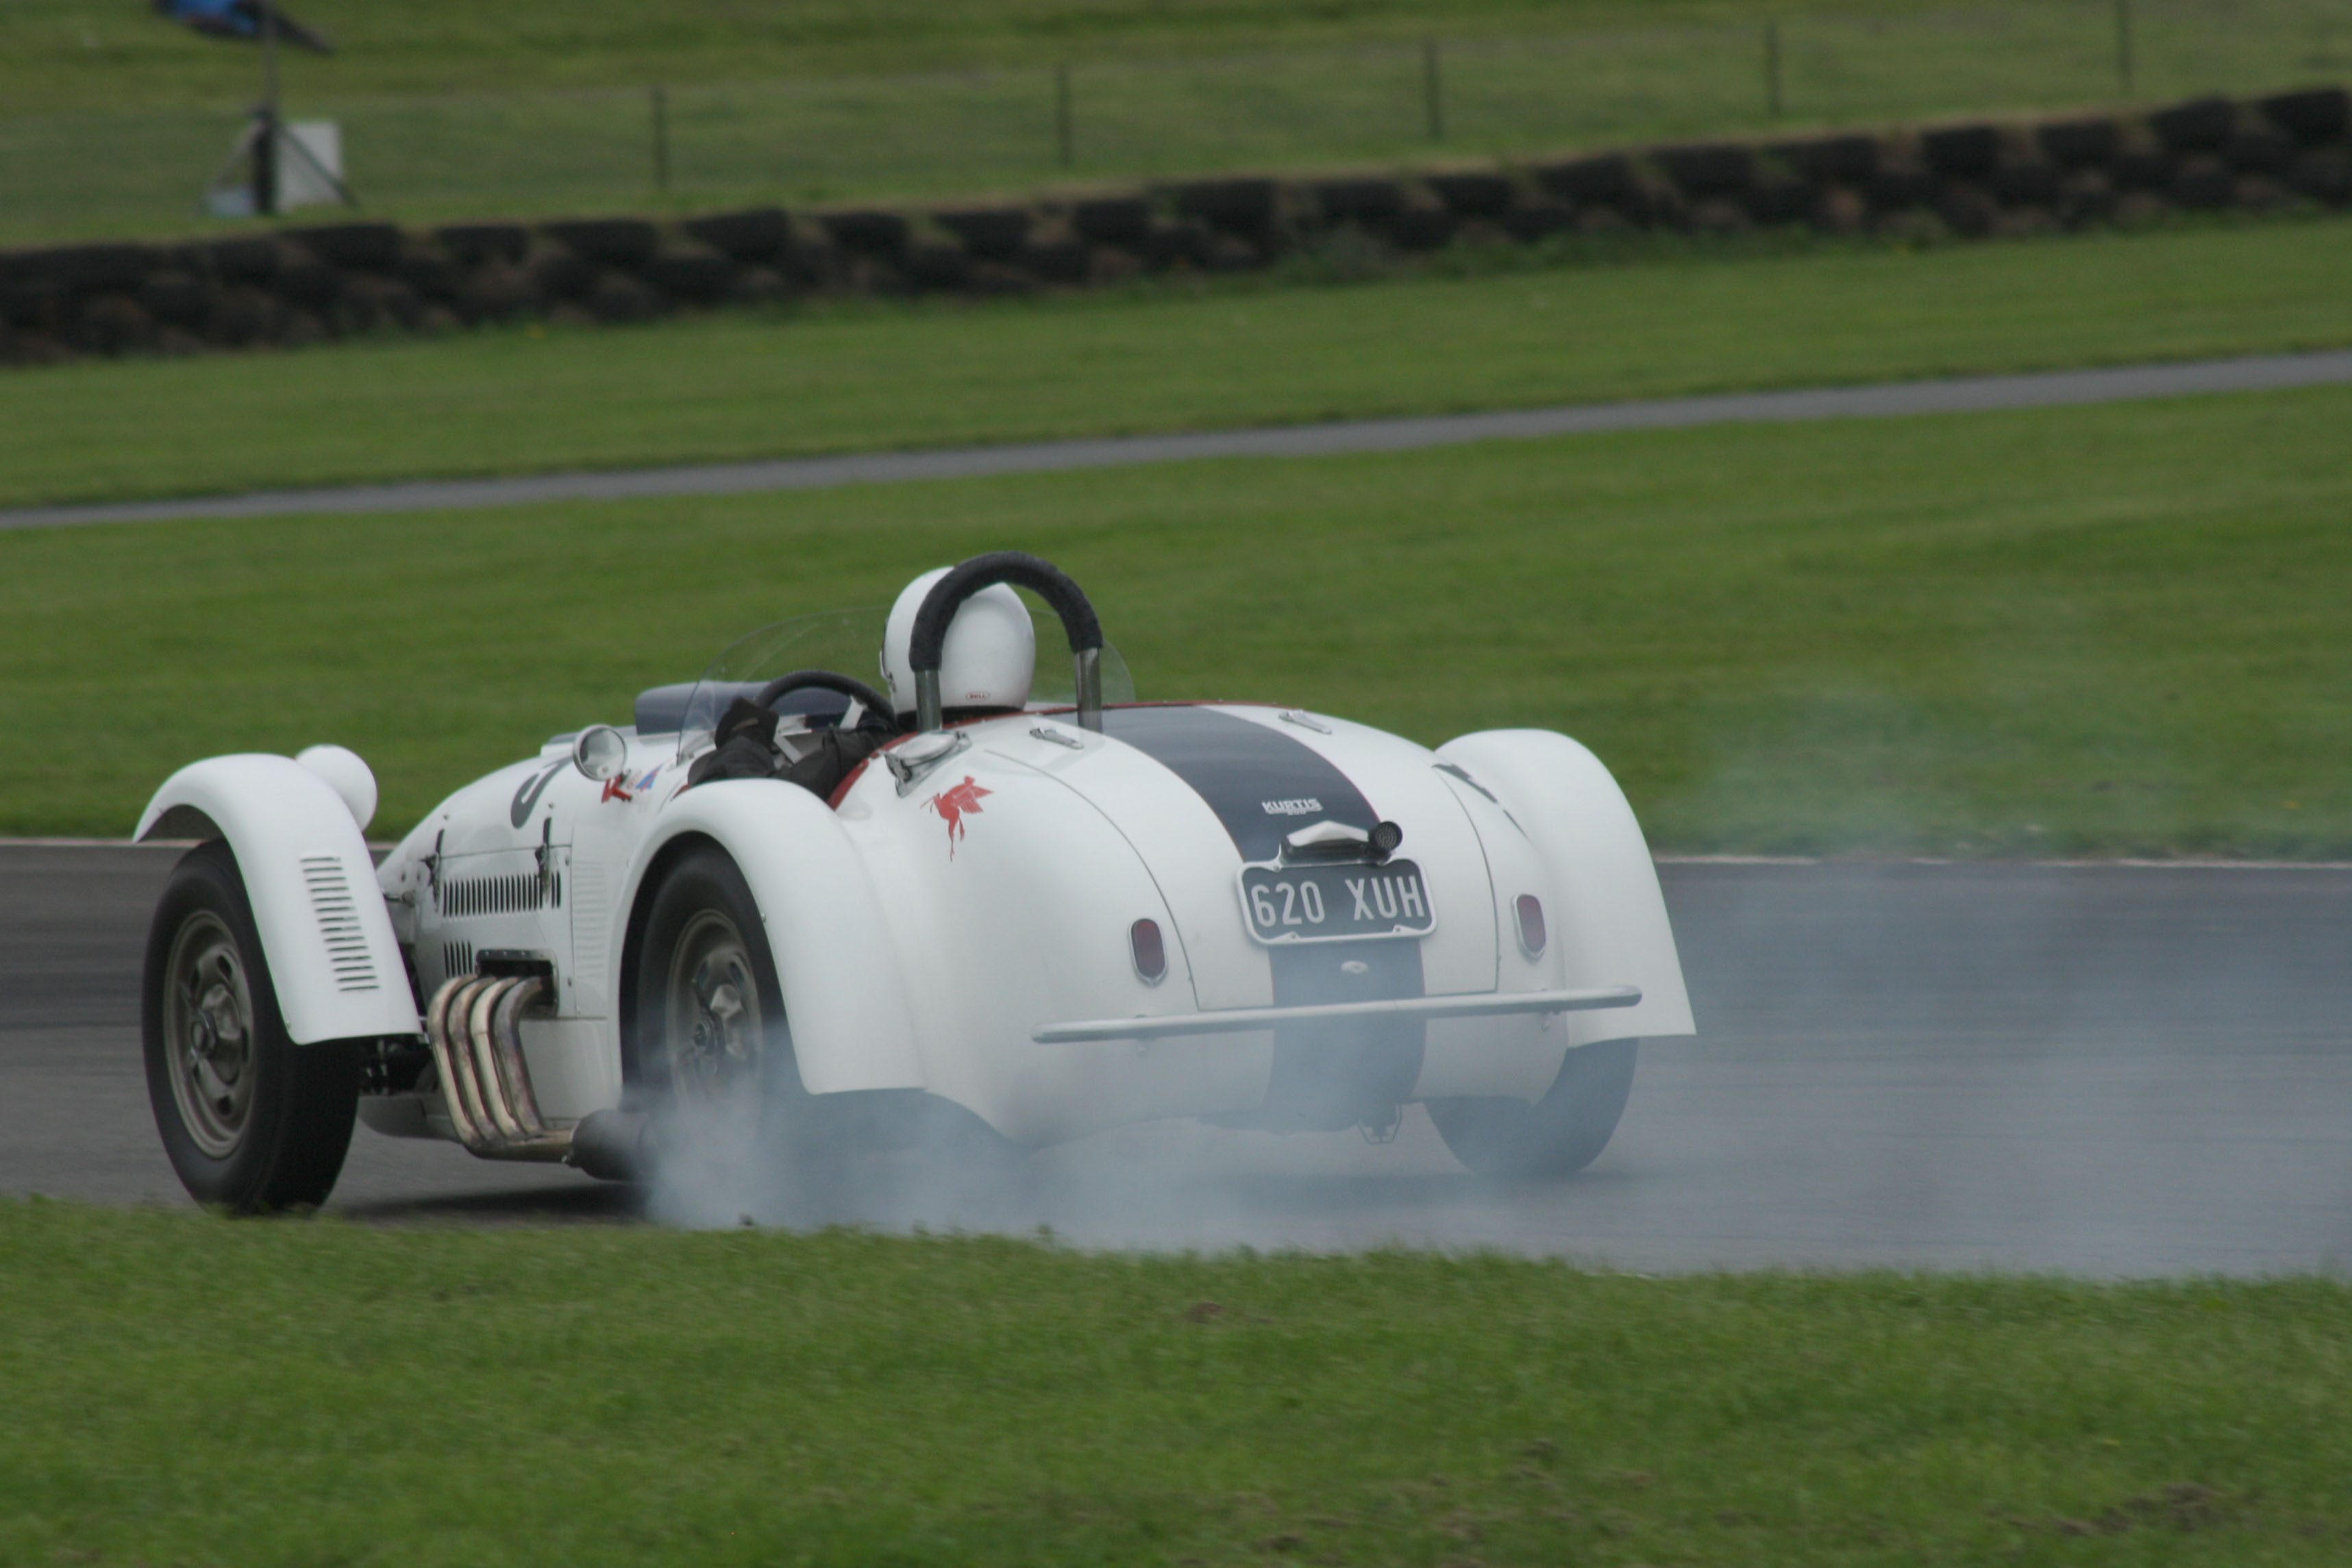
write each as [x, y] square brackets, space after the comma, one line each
[844, 138]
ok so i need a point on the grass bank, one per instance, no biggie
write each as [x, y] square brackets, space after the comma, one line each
[188, 1391]
[1281, 350]
[2095, 630]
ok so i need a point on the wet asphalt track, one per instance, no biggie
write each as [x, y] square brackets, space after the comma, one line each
[1959, 394]
[2101, 1069]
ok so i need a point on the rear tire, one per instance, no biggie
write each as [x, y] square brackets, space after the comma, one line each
[729, 1127]
[1558, 1136]
[252, 1123]
[713, 1058]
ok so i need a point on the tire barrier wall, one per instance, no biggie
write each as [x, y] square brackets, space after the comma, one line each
[1964, 179]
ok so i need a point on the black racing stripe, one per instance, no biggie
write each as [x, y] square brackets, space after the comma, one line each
[1241, 769]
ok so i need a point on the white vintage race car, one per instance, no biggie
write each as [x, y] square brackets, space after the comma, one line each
[961, 901]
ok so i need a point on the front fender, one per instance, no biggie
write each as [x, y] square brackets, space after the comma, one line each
[325, 931]
[843, 991]
[1608, 915]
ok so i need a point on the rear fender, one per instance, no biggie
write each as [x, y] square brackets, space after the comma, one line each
[1607, 916]
[843, 991]
[325, 931]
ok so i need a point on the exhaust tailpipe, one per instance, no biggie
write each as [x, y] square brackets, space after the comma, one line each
[613, 1145]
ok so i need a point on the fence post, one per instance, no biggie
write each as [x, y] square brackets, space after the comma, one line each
[1065, 138]
[1433, 90]
[1772, 66]
[661, 140]
[265, 147]
[2124, 45]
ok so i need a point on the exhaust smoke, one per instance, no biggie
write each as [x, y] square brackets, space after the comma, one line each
[2108, 1069]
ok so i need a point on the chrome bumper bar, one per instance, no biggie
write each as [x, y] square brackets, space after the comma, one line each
[1244, 1021]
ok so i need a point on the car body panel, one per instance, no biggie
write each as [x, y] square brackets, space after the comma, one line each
[1608, 916]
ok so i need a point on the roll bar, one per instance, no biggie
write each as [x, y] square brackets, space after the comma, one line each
[1049, 582]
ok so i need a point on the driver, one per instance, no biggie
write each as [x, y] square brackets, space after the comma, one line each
[985, 665]
[986, 662]
[751, 742]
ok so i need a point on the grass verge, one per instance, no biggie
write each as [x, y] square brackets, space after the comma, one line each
[856, 376]
[188, 1391]
[2093, 630]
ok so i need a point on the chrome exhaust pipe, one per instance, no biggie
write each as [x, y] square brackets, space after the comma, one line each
[474, 1028]
[462, 1115]
[485, 1059]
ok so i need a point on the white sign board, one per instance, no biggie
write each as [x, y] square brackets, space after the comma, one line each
[309, 169]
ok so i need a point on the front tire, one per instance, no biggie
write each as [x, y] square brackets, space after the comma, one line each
[252, 1123]
[1559, 1134]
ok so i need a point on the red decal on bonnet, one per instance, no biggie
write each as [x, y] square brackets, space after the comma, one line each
[952, 803]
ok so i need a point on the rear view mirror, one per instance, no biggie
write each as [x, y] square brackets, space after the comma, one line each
[601, 752]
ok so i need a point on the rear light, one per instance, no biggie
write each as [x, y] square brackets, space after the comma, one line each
[1150, 952]
[1531, 925]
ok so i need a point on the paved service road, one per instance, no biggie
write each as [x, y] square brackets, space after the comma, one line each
[2105, 1070]
[1966, 395]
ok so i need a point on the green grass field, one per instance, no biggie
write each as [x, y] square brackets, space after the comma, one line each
[867, 376]
[184, 1391]
[89, 54]
[2091, 631]
[114, 119]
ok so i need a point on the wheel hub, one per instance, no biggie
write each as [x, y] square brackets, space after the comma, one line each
[209, 1032]
[715, 1027]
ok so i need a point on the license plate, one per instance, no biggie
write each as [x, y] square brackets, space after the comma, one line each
[1333, 902]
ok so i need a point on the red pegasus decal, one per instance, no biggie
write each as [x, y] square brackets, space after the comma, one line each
[953, 803]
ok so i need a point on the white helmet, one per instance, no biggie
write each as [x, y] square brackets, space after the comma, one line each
[987, 660]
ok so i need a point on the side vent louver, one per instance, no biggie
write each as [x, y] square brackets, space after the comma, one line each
[591, 925]
[338, 923]
[514, 895]
[457, 959]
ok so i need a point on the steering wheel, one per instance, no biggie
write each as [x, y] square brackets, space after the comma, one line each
[877, 706]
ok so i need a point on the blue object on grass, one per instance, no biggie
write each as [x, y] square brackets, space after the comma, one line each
[241, 20]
